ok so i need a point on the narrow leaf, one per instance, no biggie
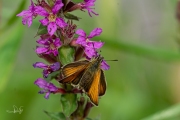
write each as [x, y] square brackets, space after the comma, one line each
[71, 16]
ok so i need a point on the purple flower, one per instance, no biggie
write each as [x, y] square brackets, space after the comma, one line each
[47, 68]
[88, 4]
[89, 46]
[27, 15]
[46, 86]
[50, 45]
[51, 20]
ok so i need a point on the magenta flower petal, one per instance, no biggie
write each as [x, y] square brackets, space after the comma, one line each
[44, 21]
[42, 42]
[40, 50]
[27, 15]
[48, 69]
[40, 82]
[52, 27]
[90, 52]
[40, 65]
[81, 32]
[95, 32]
[95, 44]
[104, 65]
[57, 42]
[47, 95]
[88, 4]
[81, 41]
[27, 20]
[60, 22]
[50, 45]
[55, 66]
[46, 86]
[57, 6]
[41, 11]
[51, 87]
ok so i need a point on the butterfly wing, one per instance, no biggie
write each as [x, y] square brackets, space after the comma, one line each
[72, 68]
[102, 84]
[93, 92]
[90, 83]
[72, 72]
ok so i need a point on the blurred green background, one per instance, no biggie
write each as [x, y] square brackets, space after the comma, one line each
[142, 34]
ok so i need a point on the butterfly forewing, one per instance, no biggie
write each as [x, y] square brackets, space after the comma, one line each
[72, 68]
[73, 71]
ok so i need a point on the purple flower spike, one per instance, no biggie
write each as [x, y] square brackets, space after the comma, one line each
[51, 20]
[48, 69]
[46, 86]
[50, 45]
[88, 4]
[27, 15]
[90, 46]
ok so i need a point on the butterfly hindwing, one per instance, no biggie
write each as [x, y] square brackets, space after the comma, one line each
[93, 91]
[102, 84]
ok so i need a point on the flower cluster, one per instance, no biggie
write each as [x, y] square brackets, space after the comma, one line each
[57, 30]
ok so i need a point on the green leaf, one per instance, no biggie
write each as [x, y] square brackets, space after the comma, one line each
[41, 30]
[56, 115]
[71, 16]
[66, 54]
[10, 42]
[173, 113]
[69, 103]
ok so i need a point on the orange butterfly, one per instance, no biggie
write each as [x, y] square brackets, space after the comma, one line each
[88, 76]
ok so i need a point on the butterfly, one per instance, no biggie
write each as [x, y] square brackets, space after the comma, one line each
[88, 76]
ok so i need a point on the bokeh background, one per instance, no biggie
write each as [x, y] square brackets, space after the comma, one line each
[143, 84]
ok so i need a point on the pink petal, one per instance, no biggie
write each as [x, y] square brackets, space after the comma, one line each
[44, 21]
[81, 41]
[95, 32]
[40, 82]
[23, 13]
[58, 5]
[97, 45]
[60, 22]
[40, 65]
[52, 27]
[29, 21]
[57, 42]
[41, 11]
[81, 32]
[40, 50]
